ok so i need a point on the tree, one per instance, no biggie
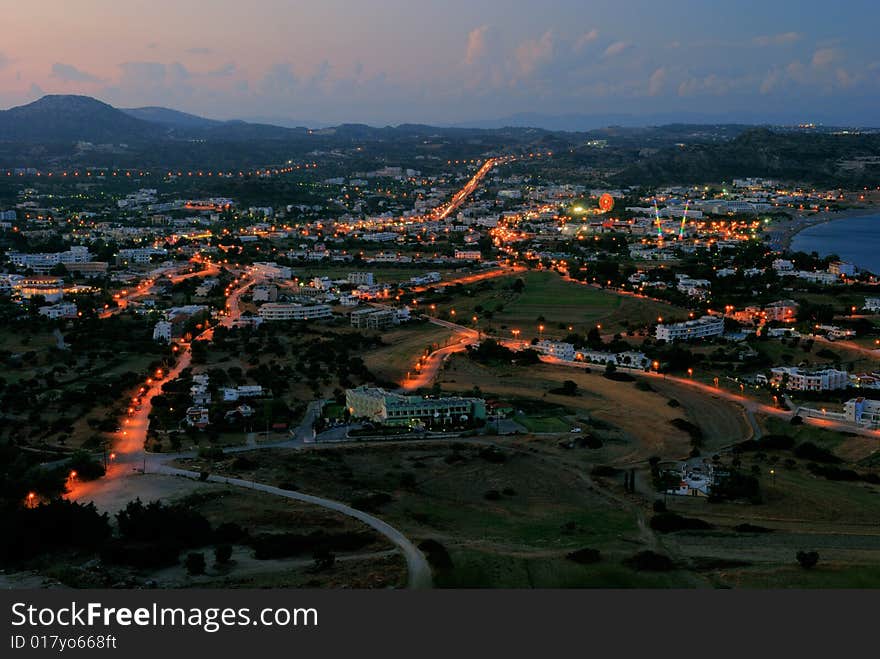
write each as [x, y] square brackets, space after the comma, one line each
[807, 559]
[195, 563]
[222, 553]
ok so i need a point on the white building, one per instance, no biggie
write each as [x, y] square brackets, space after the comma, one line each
[360, 278]
[468, 255]
[278, 311]
[162, 331]
[60, 310]
[232, 394]
[691, 330]
[863, 412]
[557, 349]
[796, 379]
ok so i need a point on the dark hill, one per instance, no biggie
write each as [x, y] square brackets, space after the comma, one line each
[58, 118]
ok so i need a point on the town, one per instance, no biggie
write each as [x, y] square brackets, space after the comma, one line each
[487, 324]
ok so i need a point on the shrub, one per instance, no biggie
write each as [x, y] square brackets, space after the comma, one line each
[807, 559]
[650, 561]
[222, 554]
[751, 528]
[671, 522]
[585, 556]
[809, 451]
[492, 454]
[86, 467]
[195, 563]
[436, 554]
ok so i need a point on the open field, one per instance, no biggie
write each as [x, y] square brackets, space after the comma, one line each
[637, 423]
[376, 565]
[561, 304]
[505, 521]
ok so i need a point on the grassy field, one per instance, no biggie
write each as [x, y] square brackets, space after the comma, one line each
[637, 424]
[506, 522]
[559, 302]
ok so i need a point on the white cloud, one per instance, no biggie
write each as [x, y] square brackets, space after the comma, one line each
[824, 57]
[777, 39]
[585, 39]
[476, 45]
[533, 53]
[615, 49]
[657, 81]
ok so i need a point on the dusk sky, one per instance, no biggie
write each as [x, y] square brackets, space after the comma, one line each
[455, 61]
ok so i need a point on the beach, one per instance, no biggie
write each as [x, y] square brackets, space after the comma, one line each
[782, 234]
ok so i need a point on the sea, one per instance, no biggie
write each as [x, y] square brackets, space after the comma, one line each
[854, 239]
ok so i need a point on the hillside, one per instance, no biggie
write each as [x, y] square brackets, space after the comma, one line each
[814, 157]
[58, 118]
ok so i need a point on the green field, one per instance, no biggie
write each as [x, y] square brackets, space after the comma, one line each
[555, 303]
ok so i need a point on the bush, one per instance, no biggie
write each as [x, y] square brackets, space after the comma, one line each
[436, 554]
[222, 554]
[492, 495]
[659, 506]
[492, 454]
[807, 559]
[285, 545]
[591, 442]
[751, 528]
[211, 453]
[585, 556]
[195, 563]
[650, 561]
[371, 502]
[671, 522]
[813, 453]
[86, 467]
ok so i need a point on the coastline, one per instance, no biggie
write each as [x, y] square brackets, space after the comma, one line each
[785, 234]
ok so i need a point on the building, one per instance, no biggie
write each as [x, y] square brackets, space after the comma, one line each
[628, 359]
[139, 255]
[842, 269]
[162, 331]
[278, 311]
[89, 269]
[51, 288]
[198, 417]
[557, 349]
[232, 394]
[796, 379]
[360, 278]
[60, 310]
[862, 412]
[468, 255]
[271, 271]
[872, 304]
[380, 406]
[43, 263]
[691, 330]
[265, 293]
[783, 311]
[375, 318]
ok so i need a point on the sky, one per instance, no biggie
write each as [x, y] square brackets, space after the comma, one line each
[451, 61]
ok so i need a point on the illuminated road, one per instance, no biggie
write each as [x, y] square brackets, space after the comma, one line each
[461, 196]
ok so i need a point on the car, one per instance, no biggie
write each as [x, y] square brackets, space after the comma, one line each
[573, 430]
